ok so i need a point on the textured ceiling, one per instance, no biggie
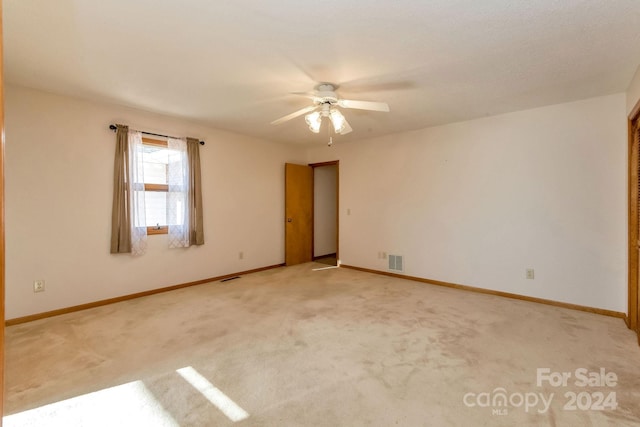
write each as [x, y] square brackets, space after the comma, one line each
[233, 64]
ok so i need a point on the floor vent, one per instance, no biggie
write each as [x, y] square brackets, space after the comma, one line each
[396, 263]
[230, 278]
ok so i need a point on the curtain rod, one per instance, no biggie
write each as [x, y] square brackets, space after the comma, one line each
[113, 128]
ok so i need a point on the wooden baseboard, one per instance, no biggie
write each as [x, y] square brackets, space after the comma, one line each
[94, 304]
[601, 311]
[32, 317]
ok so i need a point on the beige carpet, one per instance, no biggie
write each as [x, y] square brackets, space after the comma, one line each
[335, 347]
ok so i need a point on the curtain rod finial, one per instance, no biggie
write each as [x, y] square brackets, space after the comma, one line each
[112, 127]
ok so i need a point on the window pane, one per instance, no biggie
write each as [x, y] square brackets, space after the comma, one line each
[155, 164]
[162, 207]
[156, 207]
[155, 173]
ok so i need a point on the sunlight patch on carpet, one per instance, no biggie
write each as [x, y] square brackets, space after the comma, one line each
[130, 404]
[213, 394]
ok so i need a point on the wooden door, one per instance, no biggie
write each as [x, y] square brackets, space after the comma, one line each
[2, 269]
[298, 212]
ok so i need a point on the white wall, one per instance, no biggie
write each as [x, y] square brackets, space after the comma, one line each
[324, 210]
[473, 203]
[633, 93]
[478, 202]
[59, 173]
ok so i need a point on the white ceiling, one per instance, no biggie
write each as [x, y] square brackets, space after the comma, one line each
[233, 64]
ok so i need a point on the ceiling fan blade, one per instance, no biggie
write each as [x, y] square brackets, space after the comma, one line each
[364, 105]
[310, 95]
[294, 115]
[347, 128]
[379, 87]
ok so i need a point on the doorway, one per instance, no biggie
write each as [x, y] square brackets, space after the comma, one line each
[311, 226]
[325, 213]
[633, 319]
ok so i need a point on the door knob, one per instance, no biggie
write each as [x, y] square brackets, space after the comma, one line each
[289, 219]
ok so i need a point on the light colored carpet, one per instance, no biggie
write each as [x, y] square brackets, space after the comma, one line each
[296, 347]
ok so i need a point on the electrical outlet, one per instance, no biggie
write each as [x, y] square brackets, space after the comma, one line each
[529, 273]
[384, 255]
[240, 255]
[38, 286]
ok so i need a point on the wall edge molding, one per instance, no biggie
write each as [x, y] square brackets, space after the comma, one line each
[601, 311]
[99, 303]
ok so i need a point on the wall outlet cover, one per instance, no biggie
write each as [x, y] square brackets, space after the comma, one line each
[38, 286]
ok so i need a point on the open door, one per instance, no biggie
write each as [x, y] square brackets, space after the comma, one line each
[298, 212]
[2, 265]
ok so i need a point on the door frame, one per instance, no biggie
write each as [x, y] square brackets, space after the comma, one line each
[337, 165]
[633, 158]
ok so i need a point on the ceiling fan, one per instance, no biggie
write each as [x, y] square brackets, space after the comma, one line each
[325, 104]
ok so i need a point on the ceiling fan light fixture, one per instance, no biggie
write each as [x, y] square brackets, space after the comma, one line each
[314, 121]
[337, 119]
[325, 104]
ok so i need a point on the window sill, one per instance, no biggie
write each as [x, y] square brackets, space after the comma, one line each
[156, 230]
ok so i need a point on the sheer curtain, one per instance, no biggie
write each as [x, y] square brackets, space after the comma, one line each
[177, 195]
[136, 194]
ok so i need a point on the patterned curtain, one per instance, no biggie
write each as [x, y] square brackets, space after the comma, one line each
[177, 197]
[136, 190]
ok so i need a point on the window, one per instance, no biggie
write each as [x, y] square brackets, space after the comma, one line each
[162, 206]
[156, 190]
[155, 166]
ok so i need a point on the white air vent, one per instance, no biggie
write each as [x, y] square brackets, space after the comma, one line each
[396, 263]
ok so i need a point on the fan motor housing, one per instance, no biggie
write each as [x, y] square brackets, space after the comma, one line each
[325, 94]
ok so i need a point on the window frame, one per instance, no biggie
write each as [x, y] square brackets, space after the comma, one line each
[163, 229]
